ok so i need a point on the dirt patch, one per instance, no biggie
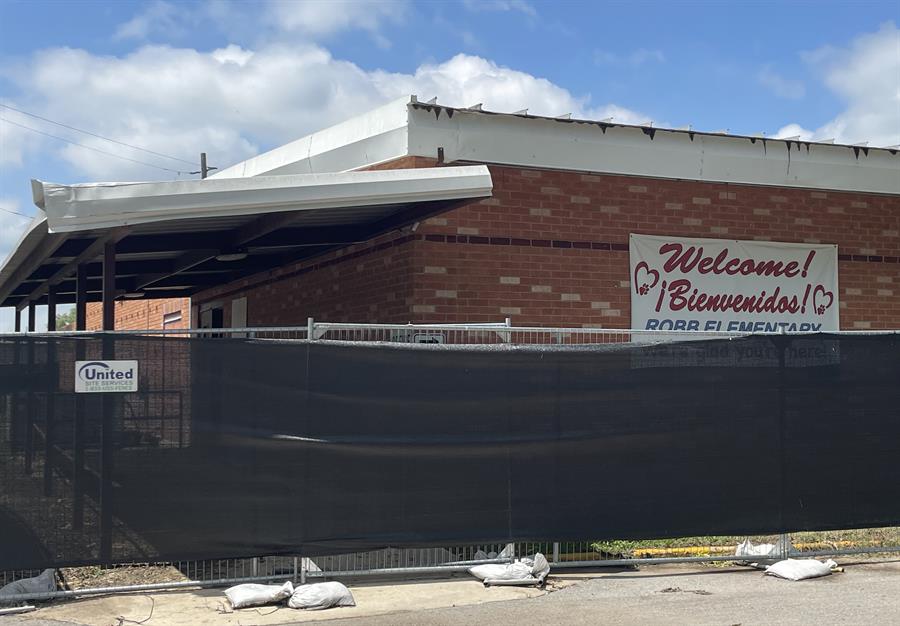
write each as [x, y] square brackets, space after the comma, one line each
[88, 577]
[699, 592]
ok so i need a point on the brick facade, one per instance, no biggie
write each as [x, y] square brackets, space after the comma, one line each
[551, 248]
[143, 314]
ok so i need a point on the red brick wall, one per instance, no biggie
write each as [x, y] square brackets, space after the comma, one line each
[371, 282]
[141, 314]
[551, 248]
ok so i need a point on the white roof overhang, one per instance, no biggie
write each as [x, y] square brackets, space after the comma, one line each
[168, 235]
[108, 205]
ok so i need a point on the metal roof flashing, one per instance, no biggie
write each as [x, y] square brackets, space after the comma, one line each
[375, 136]
[408, 127]
[475, 135]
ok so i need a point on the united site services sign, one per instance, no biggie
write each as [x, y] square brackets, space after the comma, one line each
[106, 376]
[725, 285]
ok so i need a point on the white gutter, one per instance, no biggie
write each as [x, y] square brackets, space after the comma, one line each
[107, 205]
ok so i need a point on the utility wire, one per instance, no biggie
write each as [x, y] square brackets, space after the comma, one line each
[87, 132]
[15, 212]
[81, 145]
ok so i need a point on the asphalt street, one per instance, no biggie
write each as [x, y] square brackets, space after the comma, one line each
[863, 594]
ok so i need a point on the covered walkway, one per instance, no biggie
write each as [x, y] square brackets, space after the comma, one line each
[106, 241]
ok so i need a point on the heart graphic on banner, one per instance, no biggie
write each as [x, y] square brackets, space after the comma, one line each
[642, 275]
[819, 304]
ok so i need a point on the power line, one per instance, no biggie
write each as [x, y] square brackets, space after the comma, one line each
[87, 132]
[81, 145]
[15, 212]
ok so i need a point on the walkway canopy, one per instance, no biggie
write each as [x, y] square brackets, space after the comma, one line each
[173, 239]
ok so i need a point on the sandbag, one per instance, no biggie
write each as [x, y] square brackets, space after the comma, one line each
[500, 571]
[43, 583]
[318, 596]
[525, 569]
[541, 567]
[252, 594]
[770, 553]
[481, 555]
[801, 569]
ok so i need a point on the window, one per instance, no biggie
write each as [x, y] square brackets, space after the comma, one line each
[170, 319]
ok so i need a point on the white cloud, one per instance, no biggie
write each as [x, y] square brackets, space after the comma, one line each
[780, 86]
[866, 75]
[233, 102]
[321, 19]
[634, 58]
[15, 141]
[158, 18]
[465, 80]
[795, 130]
[11, 225]
[501, 5]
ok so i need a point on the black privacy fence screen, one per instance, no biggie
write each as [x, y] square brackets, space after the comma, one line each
[239, 447]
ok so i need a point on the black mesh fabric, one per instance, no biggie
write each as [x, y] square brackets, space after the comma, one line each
[240, 447]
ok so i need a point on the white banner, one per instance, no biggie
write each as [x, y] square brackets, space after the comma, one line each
[106, 376]
[727, 285]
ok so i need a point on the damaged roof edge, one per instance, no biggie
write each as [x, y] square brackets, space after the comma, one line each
[33, 239]
[467, 135]
[648, 130]
[106, 205]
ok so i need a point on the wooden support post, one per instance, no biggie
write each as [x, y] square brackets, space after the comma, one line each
[109, 286]
[18, 320]
[31, 310]
[81, 297]
[51, 309]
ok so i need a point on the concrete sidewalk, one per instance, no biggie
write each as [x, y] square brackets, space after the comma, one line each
[208, 607]
[866, 593]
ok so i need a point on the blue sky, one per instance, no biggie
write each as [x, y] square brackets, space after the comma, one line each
[235, 79]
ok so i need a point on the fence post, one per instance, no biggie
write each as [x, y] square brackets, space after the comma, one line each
[556, 552]
[30, 407]
[106, 460]
[78, 450]
[14, 395]
[781, 340]
[310, 329]
[49, 417]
